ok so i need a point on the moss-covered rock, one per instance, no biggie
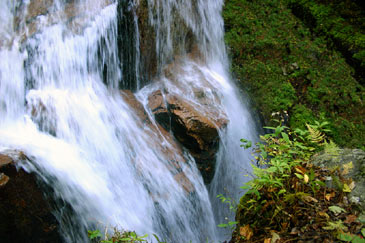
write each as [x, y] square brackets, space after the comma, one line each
[286, 67]
[352, 163]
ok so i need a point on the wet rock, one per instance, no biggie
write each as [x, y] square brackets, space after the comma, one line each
[354, 160]
[31, 18]
[147, 42]
[25, 214]
[137, 107]
[196, 131]
[37, 8]
[161, 140]
[41, 115]
[158, 106]
[181, 36]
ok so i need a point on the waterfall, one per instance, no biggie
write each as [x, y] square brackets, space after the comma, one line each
[60, 104]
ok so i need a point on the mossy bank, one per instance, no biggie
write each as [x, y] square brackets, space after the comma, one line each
[288, 66]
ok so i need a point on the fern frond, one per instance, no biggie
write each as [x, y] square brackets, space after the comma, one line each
[332, 149]
[315, 136]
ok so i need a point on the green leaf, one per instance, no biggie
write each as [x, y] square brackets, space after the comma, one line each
[285, 137]
[230, 223]
[125, 239]
[281, 191]
[222, 225]
[299, 176]
[357, 239]
[158, 239]
[264, 154]
[345, 237]
[336, 209]
[278, 130]
[94, 234]
[144, 236]
[363, 232]
[321, 183]
[272, 128]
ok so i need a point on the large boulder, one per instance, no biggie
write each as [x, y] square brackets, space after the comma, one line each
[172, 152]
[196, 131]
[25, 213]
[352, 164]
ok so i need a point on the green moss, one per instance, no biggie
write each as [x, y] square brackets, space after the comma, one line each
[284, 67]
[341, 22]
[301, 115]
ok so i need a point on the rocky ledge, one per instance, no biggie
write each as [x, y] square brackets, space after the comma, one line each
[25, 213]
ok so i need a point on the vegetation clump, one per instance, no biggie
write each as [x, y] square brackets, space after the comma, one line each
[287, 67]
[343, 25]
[289, 199]
[118, 236]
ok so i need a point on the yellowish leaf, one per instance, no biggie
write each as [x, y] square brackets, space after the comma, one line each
[329, 196]
[324, 215]
[306, 178]
[346, 188]
[275, 237]
[309, 199]
[352, 185]
[300, 170]
[347, 168]
[267, 240]
[246, 232]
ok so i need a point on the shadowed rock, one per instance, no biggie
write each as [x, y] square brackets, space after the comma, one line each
[25, 214]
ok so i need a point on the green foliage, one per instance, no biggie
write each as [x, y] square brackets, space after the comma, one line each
[284, 67]
[340, 21]
[118, 237]
[232, 207]
[337, 226]
[93, 234]
[288, 190]
[279, 153]
[347, 237]
[336, 209]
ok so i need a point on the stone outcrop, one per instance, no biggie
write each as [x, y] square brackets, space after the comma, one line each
[354, 159]
[196, 131]
[182, 38]
[171, 150]
[25, 213]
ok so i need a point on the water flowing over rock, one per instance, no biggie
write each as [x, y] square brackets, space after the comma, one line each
[106, 156]
[173, 154]
[25, 213]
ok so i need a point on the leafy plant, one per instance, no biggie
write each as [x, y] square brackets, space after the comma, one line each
[286, 187]
[118, 237]
[232, 207]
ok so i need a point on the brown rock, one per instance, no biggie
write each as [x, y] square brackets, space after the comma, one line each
[37, 8]
[171, 150]
[25, 214]
[196, 131]
[157, 104]
[133, 103]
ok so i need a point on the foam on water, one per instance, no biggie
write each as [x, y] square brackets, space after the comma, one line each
[86, 142]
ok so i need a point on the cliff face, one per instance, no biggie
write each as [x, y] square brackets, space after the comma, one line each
[294, 71]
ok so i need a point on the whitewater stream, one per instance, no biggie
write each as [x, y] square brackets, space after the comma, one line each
[64, 111]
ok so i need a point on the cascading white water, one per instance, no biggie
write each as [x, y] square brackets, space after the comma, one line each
[86, 141]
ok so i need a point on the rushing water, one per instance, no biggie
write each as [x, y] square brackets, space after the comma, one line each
[63, 110]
